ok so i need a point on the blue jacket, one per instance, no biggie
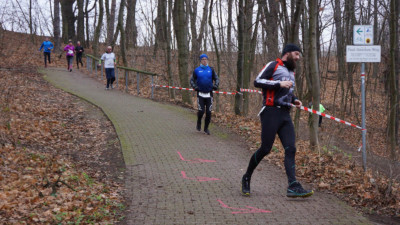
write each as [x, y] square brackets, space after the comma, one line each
[47, 46]
[202, 79]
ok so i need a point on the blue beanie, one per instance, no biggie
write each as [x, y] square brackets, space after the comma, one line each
[203, 56]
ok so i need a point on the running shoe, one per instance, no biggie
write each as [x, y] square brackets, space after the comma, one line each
[198, 126]
[295, 190]
[246, 185]
[207, 131]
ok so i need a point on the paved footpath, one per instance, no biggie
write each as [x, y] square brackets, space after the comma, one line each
[177, 175]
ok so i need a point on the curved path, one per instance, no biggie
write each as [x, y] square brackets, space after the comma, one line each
[176, 175]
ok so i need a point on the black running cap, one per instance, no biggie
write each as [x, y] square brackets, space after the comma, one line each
[290, 48]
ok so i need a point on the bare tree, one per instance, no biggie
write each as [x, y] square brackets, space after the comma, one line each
[120, 27]
[181, 32]
[229, 28]
[96, 38]
[197, 39]
[247, 37]
[56, 25]
[86, 14]
[393, 79]
[215, 48]
[81, 23]
[240, 59]
[314, 70]
[68, 20]
[131, 29]
[270, 22]
[110, 15]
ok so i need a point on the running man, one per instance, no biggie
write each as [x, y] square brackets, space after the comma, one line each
[202, 82]
[109, 64]
[47, 46]
[277, 82]
[79, 52]
[70, 54]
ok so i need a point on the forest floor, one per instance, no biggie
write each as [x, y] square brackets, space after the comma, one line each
[46, 135]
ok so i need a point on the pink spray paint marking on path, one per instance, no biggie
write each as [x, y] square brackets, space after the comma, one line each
[195, 160]
[248, 209]
[200, 179]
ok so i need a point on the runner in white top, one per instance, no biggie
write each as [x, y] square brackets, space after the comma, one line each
[109, 64]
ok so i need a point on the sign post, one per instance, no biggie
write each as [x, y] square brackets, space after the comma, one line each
[363, 51]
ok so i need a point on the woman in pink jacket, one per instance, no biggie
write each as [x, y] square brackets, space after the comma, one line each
[70, 54]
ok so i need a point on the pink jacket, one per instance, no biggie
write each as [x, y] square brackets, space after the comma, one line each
[70, 50]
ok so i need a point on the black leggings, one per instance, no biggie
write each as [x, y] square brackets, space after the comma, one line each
[276, 121]
[46, 56]
[204, 105]
[78, 60]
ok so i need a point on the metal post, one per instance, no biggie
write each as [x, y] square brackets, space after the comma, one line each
[364, 131]
[152, 86]
[126, 81]
[102, 68]
[96, 69]
[137, 82]
[116, 76]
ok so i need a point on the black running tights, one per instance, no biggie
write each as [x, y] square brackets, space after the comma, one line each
[204, 105]
[276, 121]
[46, 56]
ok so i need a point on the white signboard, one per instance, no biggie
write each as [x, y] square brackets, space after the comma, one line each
[363, 35]
[356, 53]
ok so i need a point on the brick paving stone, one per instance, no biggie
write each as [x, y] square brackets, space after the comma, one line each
[151, 134]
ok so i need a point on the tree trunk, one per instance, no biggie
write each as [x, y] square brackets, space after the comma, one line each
[294, 26]
[375, 65]
[216, 49]
[169, 54]
[120, 27]
[181, 33]
[87, 23]
[240, 60]
[271, 25]
[95, 44]
[248, 43]
[197, 39]
[229, 29]
[314, 73]
[110, 20]
[393, 79]
[68, 20]
[30, 21]
[161, 26]
[81, 23]
[131, 29]
[56, 25]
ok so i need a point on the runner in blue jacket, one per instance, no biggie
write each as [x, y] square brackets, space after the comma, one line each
[47, 46]
[204, 80]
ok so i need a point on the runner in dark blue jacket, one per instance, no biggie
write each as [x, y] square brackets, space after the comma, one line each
[204, 80]
[277, 82]
[47, 46]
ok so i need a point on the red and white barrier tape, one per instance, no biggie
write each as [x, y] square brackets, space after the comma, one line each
[179, 88]
[256, 91]
[250, 91]
[191, 89]
[329, 117]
